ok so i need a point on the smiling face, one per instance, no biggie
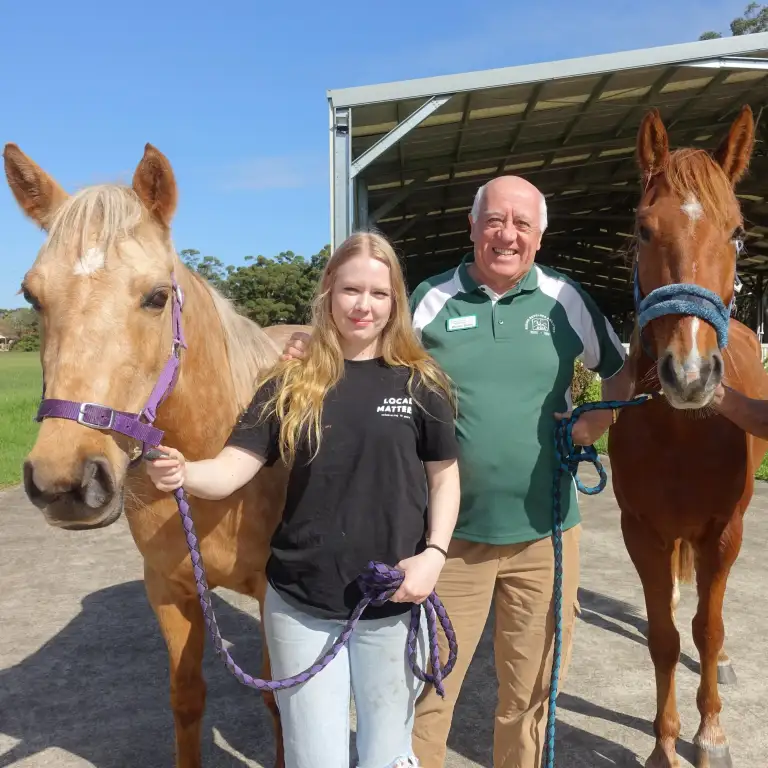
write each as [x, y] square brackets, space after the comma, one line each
[361, 303]
[507, 232]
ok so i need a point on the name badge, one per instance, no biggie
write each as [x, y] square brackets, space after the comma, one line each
[461, 323]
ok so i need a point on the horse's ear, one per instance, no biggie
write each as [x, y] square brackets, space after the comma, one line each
[155, 185]
[37, 193]
[735, 150]
[652, 144]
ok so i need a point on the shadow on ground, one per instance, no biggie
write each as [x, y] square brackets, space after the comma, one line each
[472, 733]
[608, 613]
[99, 689]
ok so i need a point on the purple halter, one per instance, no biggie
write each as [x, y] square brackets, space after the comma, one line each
[103, 417]
[377, 583]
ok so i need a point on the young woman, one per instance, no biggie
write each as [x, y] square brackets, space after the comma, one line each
[365, 420]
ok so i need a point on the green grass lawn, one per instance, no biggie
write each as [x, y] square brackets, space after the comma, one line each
[20, 386]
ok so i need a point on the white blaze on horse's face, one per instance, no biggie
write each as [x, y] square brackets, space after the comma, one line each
[91, 261]
[692, 363]
[692, 209]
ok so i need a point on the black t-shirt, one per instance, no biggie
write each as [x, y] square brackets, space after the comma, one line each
[364, 496]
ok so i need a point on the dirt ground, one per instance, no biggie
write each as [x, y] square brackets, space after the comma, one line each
[83, 678]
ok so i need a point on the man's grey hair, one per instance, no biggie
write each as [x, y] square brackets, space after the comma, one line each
[479, 199]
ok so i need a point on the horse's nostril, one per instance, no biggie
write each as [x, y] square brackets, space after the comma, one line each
[717, 365]
[98, 484]
[667, 369]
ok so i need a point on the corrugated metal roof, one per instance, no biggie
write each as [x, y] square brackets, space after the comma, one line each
[570, 128]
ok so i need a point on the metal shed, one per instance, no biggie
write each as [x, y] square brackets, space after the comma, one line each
[407, 157]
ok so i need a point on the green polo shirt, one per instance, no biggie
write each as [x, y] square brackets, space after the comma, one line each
[511, 359]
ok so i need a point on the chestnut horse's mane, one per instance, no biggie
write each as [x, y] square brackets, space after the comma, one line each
[102, 215]
[694, 172]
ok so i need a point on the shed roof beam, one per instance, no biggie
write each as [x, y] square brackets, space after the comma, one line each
[390, 139]
[654, 91]
[594, 96]
[686, 106]
[731, 62]
[605, 140]
[529, 107]
[418, 181]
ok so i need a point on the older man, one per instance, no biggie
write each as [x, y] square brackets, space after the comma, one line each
[508, 332]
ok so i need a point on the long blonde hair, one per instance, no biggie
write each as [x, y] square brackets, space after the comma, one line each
[301, 385]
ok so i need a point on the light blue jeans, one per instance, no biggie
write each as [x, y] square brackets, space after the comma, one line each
[373, 667]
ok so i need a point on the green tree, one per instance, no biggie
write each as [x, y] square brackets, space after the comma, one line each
[209, 267]
[755, 19]
[25, 324]
[277, 291]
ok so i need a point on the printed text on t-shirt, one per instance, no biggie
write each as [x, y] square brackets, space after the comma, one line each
[396, 406]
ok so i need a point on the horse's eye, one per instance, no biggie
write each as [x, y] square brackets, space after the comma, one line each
[155, 300]
[737, 238]
[30, 299]
[644, 233]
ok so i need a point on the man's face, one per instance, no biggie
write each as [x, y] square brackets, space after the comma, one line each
[506, 234]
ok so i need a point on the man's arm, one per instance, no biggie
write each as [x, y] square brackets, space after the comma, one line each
[746, 413]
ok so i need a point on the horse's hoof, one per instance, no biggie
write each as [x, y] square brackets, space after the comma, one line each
[726, 674]
[714, 757]
[662, 759]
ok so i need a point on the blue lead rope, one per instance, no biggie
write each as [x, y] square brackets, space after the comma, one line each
[569, 456]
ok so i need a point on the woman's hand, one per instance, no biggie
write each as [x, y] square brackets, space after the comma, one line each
[421, 574]
[168, 473]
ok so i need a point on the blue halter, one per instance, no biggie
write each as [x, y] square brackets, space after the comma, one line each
[682, 299]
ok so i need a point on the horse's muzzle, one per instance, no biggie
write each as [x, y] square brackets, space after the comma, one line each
[690, 387]
[88, 498]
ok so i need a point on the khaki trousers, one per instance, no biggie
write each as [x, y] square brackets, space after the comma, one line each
[518, 579]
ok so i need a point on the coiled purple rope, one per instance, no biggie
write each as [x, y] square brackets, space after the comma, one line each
[377, 583]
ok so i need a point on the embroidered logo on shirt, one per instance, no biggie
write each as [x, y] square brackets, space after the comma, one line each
[400, 407]
[539, 324]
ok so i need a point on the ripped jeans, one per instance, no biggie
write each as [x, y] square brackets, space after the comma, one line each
[373, 667]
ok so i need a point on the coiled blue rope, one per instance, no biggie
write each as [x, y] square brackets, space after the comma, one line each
[569, 456]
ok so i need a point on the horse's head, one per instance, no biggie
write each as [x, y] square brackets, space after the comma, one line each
[688, 235]
[101, 284]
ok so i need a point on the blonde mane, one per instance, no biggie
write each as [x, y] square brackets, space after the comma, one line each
[103, 215]
[249, 350]
[100, 216]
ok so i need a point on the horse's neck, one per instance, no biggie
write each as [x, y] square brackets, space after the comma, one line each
[198, 416]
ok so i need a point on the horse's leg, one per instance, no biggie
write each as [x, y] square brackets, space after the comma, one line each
[716, 555]
[655, 567]
[183, 627]
[726, 674]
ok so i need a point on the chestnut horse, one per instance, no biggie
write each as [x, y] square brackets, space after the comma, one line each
[101, 284]
[682, 474]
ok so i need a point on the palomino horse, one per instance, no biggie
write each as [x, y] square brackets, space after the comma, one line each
[683, 475]
[102, 286]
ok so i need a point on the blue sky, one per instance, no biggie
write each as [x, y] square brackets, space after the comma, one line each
[236, 97]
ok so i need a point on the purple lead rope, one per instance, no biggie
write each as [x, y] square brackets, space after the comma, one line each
[377, 583]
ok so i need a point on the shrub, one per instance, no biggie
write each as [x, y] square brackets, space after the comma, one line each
[584, 385]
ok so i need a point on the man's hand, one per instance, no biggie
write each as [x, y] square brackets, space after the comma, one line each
[296, 347]
[590, 426]
[421, 574]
